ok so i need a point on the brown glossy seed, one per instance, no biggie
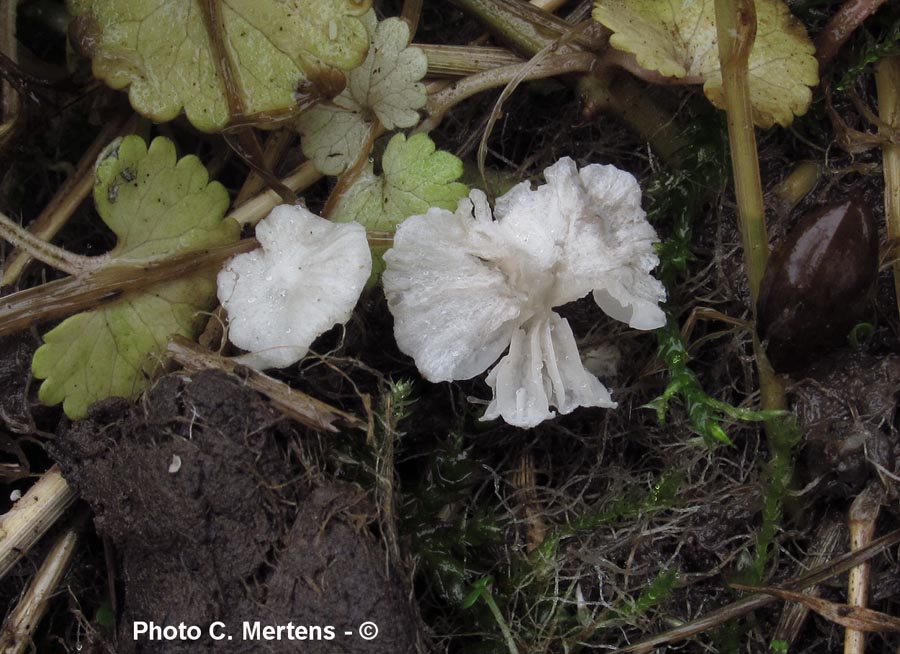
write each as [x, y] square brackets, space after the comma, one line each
[818, 283]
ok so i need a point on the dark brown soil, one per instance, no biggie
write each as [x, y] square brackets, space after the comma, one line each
[229, 535]
[846, 405]
[16, 351]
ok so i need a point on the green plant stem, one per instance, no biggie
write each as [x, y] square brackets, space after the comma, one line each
[501, 621]
[524, 27]
[52, 255]
[887, 80]
[460, 60]
[551, 66]
[628, 101]
[736, 27]
[529, 30]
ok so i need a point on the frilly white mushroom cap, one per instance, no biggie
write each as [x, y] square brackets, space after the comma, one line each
[465, 286]
[307, 277]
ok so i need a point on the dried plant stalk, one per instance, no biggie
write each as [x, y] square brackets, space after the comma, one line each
[863, 513]
[295, 404]
[23, 621]
[887, 79]
[32, 516]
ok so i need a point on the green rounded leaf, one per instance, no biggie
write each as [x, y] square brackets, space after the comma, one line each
[678, 39]
[161, 50]
[158, 206]
[386, 86]
[415, 177]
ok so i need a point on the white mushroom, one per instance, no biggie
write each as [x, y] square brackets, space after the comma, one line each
[306, 278]
[465, 286]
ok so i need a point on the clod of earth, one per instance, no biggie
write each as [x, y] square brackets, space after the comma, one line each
[252, 543]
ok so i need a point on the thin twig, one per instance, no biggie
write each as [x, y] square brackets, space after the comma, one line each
[759, 600]
[551, 66]
[295, 404]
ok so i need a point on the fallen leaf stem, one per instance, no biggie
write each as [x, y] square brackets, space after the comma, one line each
[526, 27]
[64, 297]
[61, 298]
[861, 519]
[462, 60]
[277, 145]
[348, 177]
[528, 30]
[258, 207]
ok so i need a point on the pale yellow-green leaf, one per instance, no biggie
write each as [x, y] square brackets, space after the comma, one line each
[677, 38]
[158, 206]
[386, 86]
[161, 50]
[415, 177]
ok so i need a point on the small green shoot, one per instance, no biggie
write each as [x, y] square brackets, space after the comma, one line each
[860, 334]
[879, 40]
[660, 589]
[481, 590]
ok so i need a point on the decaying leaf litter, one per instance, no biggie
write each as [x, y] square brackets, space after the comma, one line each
[596, 529]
